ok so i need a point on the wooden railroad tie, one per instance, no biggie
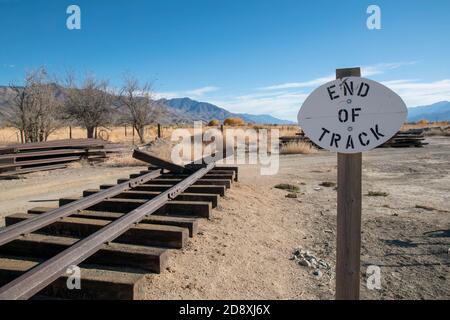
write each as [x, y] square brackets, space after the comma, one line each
[116, 269]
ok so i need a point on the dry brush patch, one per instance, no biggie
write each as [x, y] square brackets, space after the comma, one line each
[299, 147]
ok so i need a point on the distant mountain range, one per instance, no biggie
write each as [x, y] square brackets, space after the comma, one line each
[206, 111]
[184, 110]
[439, 111]
[179, 110]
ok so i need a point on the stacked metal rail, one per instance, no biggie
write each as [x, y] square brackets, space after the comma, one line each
[29, 157]
[403, 139]
[414, 138]
[116, 233]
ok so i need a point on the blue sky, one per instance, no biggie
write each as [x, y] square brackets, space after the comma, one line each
[252, 56]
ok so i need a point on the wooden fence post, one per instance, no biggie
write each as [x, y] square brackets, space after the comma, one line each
[159, 131]
[348, 255]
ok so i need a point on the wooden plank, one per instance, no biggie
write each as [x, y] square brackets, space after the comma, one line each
[209, 189]
[147, 195]
[206, 177]
[150, 259]
[34, 169]
[198, 209]
[95, 283]
[349, 195]
[221, 168]
[189, 223]
[33, 154]
[40, 161]
[221, 182]
[160, 163]
[141, 234]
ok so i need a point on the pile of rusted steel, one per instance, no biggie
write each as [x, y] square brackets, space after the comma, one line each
[115, 234]
[29, 157]
[413, 138]
[403, 139]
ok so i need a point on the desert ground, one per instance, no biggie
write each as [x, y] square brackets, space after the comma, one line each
[244, 251]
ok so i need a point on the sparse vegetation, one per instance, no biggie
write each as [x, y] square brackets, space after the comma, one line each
[214, 123]
[89, 105]
[33, 108]
[139, 108]
[234, 122]
[288, 187]
[328, 184]
[297, 148]
[423, 122]
[427, 208]
[123, 160]
[377, 194]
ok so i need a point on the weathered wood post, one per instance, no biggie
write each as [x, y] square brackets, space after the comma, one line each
[70, 132]
[349, 193]
[125, 129]
[159, 131]
[350, 115]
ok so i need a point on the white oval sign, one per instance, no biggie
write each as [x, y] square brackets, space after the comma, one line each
[352, 115]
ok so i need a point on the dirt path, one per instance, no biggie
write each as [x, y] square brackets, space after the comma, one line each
[244, 251]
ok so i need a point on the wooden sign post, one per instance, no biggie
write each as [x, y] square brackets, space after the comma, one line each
[348, 246]
[348, 116]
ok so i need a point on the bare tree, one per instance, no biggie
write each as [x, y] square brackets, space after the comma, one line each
[138, 107]
[89, 105]
[33, 108]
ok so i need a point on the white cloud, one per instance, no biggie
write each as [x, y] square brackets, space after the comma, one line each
[284, 100]
[194, 93]
[201, 91]
[297, 85]
[418, 93]
[283, 105]
[367, 71]
[381, 68]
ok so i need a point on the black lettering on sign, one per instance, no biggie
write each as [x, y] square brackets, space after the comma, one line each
[350, 143]
[332, 93]
[364, 143]
[348, 88]
[376, 132]
[335, 138]
[355, 113]
[325, 131]
[363, 89]
[343, 115]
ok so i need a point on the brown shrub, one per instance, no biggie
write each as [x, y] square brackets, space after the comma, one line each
[297, 148]
[214, 123]
[234, 122]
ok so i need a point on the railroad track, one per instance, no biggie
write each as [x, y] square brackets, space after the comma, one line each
[116, 234]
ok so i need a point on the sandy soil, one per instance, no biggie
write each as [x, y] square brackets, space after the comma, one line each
[244, 251]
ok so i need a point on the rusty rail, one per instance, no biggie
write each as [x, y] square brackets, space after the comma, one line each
[13, 232]
[45, 273]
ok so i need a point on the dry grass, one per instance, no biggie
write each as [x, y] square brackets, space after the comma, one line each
[123, 160]
[422, 125]
[288, 187]
[297, 148]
